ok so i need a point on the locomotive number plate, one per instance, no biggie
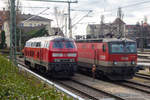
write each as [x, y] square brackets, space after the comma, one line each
[124, 58]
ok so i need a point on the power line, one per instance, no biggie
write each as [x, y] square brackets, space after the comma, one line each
[138, 3]
[32, 7]
[35, 15]
[130, 5]
[126, 6]
[69, 1]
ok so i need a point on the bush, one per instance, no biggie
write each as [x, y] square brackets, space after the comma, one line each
[16, 86]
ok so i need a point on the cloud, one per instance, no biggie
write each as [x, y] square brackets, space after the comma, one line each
[107, 7]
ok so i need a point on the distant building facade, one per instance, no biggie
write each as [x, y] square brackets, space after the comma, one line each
[137, 32]
[3, 17]
[97, 30]
[28, 21]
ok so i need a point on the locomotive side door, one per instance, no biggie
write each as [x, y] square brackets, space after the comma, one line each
[41, 54]
[96, 58]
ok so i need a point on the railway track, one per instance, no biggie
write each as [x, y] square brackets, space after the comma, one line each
[121, 87]
[84, 91]
[45, 79]
[80, 89]
[143, 76]
[100, 91]
[137, 86]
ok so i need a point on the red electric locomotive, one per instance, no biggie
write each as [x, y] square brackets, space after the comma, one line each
[54, 55]
[114, 58]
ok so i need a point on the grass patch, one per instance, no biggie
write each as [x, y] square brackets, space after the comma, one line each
[14, 85]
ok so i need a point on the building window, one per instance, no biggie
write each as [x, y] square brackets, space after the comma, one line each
[30, 25]
[21, 24]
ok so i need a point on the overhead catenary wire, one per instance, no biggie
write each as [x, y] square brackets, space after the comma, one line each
[138, 3]
[32, 7]
[129, 5]
[126, 6]
[36, 15]
[110, 11]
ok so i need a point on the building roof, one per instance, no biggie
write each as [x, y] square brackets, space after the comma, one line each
[43, 40]
[106, 40]
[49, 38]
[118, 20]
[36, 18]
[118, 40]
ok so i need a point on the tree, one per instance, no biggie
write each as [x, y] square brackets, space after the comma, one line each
[3, 40]
[40, 33]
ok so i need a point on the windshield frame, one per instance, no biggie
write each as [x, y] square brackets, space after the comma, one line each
[110, 49]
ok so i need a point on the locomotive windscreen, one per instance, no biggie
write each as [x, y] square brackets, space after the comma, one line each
[122, 47]
[63, 44]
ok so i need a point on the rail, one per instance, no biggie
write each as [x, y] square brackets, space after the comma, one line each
[75, 97]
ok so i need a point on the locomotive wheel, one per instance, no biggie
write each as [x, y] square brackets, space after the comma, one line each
[42, 70]
[30, 67]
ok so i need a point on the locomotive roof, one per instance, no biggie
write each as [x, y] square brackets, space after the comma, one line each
[106, 40]
[49, 38]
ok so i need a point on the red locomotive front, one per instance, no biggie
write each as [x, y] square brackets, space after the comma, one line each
[55, 55]
[114, 58]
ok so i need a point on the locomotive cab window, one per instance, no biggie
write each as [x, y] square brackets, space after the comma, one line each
[121, 47]
[63, 44]
[58, 44]
[69, 44]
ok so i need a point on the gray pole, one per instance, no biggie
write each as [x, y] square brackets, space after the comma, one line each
[69, 21]
[13, 39]
[20, 41]
[142, 37]
[101, 26]
[15, 48]
[119, 14]
[11, 27]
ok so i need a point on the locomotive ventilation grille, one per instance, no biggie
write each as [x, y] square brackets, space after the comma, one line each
[64, 60]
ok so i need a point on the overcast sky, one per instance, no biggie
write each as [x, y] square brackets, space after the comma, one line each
[108, 8]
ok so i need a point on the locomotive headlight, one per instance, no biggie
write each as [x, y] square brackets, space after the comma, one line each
[57, 54]
[133, 62]
[72, 54]
[115, 63]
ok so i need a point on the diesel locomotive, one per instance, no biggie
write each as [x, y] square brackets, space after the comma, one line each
[54, 55]
[114, 58]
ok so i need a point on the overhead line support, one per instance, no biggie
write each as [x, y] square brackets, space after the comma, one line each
[69, 19]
